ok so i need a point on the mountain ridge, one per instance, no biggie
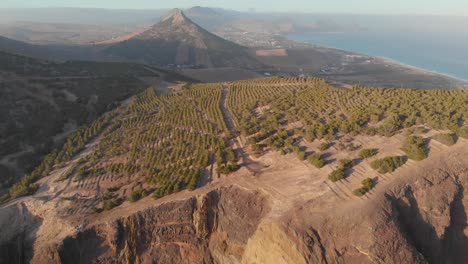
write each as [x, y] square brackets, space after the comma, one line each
[177, 40]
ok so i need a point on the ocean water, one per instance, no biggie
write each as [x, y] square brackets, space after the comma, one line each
[445, 53]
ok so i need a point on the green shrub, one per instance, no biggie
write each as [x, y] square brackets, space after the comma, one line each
[367, 153]
[113, 189]
[317, 160]
[68, 173]
[137, 195]
[301, 155]
[414, 148]
[226, 169]
[346, 164]
[323, 146]
[463, 132]
[360, 191]
[112, 203]
[367, 185]
[4, 198]
[257, 148]
[447, 139]
[96, 210]
[337, 175]
[388, 164]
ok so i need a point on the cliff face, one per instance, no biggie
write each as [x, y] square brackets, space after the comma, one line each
[210, 228]
[417, 218]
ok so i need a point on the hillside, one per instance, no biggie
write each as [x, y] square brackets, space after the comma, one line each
[42, 102]
[176, 40]
[230, 170]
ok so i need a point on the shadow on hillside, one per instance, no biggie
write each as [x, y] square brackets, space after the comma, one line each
[451, 247]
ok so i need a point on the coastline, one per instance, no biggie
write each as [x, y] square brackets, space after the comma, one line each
[423, 70]
[463, 82]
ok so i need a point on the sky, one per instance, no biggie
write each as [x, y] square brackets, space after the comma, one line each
[433, 7]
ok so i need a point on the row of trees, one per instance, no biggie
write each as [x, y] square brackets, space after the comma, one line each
[263, 105]
[169, 139]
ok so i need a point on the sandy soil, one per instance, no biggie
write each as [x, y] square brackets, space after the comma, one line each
[122, 38]
[272, 52]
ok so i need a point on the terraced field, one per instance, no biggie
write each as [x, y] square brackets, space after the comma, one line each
[265, 128]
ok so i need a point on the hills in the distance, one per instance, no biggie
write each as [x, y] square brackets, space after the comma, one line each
[194, 41]
[176, 40]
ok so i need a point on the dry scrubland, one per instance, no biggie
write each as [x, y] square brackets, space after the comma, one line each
[351, 139]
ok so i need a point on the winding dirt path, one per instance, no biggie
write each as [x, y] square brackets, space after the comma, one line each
[247, 161]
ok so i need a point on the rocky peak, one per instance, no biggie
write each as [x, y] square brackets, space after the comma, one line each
[177, 17]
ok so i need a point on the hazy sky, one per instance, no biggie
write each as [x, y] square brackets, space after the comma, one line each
[450, 7]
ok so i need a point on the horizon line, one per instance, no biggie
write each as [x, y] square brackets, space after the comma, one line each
[247, 11]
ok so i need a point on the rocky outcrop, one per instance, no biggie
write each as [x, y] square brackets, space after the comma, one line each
[210, 228]
[420, 219]
[16, 246]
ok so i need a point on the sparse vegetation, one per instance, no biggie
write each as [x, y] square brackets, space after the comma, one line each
[463, 132]
[447, 139]
[388, 164]
[226, 169]
[339, 173]
[44, 104]
[110, 201]
[367, 153]
[301, 155]
[414, 147]
[113, 189]
[367, 185]
[317, 160]
[68, 173]
[137, 195]
[323, 146]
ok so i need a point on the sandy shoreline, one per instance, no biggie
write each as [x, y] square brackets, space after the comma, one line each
[422, 70]
[463, 82]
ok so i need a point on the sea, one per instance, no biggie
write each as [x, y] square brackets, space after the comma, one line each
[445, 53]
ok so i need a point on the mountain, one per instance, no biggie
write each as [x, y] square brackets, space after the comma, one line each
[209, 18]
[177, 40]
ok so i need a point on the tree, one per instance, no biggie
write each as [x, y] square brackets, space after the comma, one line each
[367, 153]
[414, 148]
[316, 160]
[447, 139]
[323, 146]
[337, 175]
[367, 185]
[388, 164]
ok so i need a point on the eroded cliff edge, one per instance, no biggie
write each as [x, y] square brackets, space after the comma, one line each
[419, 217]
